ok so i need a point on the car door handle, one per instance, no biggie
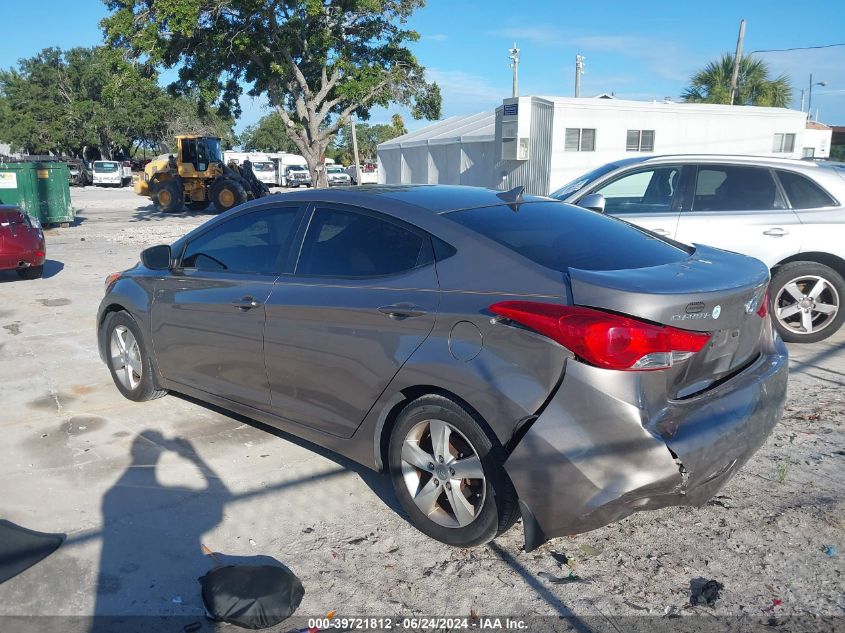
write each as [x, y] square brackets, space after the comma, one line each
[775, 232]
[402, 310]
[245, 303]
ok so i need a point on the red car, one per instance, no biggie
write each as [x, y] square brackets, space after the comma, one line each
[22, 245]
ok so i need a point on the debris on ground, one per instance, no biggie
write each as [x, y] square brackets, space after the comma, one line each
[671, 611]
[830, 550]
[704, 592]
[560, 557]
[589, 550]
[775, 603]
[561, 580]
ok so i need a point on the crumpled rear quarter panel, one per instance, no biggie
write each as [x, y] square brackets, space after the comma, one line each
[606, 444]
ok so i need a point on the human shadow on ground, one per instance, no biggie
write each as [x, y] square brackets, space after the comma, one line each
[149, 562]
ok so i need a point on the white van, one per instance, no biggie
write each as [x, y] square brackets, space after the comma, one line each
[109, 173]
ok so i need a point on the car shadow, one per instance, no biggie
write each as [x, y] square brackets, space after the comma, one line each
[51, 269]
[378, 483]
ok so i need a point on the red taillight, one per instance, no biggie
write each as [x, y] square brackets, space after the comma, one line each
[604, 339]
[763, 310]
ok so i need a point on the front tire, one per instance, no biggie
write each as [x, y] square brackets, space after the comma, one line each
[227, 193]
[168, 196]
[447, 472]
[128, 358]
[807, 301]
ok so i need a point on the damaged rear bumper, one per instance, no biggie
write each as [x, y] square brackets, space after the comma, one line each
[604, 447]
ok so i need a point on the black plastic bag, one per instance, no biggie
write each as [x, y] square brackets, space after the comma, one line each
[21, 548]
[251, 596]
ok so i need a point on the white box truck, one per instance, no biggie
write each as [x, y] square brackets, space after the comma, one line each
[109, 173]
[292, 169]
[263, 166]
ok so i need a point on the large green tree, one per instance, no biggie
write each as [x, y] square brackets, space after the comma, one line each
[84, 100]
[755, 86]
[270, 134]
[318, 62]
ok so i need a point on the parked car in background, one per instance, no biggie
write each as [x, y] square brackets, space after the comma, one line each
[499, 355]
[788, 213]
[336, 175]
[297, 176]
[79, 175]
[108, 173]
[22, 245]
[367, 174]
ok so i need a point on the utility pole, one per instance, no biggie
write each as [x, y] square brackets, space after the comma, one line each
[513, 55]
[737, 57]
[358, 166]
[579, 68]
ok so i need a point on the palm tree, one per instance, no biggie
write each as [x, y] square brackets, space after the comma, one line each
[754, 87]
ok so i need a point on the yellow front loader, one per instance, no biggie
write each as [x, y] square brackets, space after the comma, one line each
[195, 177]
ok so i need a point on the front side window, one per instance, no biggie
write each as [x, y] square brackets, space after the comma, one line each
[803, 193]
[735, 188]
[580, 140]
[255, 243]
[349, 244]
[646, 191]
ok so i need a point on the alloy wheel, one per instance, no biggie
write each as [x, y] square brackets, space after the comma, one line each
[806, 304]
[443, 473]
[126, 357]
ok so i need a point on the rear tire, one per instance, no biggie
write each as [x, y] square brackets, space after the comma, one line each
[168, 196]
[807, 296]
[226, 194]
[427, 487]
[33, 272]
[128, 358]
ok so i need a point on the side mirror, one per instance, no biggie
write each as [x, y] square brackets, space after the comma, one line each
[157, 257]
[593, 202]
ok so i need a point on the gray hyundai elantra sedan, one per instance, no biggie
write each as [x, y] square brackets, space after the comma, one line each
[499, 355]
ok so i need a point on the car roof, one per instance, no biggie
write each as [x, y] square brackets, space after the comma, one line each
[437, 199]
[770, 161]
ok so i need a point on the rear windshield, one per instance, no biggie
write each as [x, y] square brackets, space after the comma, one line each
[105, 167]
[561, 236]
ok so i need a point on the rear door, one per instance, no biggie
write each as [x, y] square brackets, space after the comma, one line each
[363, 297]
[649, 197]
[208, 314]
[740, 208]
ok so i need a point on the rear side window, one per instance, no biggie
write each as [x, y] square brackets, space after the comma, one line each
[349, 244]
[803, 193]
[560, 236]
[733, 188]
[255, 243]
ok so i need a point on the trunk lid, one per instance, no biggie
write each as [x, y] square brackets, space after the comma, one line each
[711, 291]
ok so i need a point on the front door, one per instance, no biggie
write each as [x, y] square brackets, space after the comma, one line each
[208, 314]
[648, 197]
[363, 297]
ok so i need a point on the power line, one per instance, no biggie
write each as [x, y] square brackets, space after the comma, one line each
[797, 48]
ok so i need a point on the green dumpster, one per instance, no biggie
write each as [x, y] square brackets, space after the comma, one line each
[39, 188]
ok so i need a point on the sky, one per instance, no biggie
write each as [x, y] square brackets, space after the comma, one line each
[637, 50]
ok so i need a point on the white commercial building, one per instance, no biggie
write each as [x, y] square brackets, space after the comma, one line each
[544, 142]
